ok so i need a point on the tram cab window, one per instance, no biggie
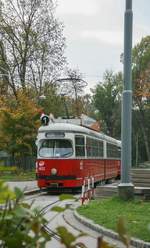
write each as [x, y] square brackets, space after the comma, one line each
[80, 145]
[56, 148]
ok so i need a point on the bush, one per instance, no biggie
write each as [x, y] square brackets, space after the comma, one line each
[20, 224]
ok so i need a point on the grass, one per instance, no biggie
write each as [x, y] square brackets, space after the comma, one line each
[107, 212]
[20, 176]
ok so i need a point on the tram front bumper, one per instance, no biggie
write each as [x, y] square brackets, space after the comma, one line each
[61, 182]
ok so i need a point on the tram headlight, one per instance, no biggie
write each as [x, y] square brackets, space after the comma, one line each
[53, 171]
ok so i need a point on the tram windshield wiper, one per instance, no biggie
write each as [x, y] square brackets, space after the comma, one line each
[66, 154]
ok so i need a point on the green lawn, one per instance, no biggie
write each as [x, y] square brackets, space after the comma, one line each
[20, 176]
[107, 212]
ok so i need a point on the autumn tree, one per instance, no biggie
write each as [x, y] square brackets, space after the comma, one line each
[31, 43]
[19, 121]
[84, 103]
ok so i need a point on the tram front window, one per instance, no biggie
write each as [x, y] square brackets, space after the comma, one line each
[56, 148]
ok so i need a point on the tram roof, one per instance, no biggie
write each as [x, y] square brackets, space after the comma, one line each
[67, 127]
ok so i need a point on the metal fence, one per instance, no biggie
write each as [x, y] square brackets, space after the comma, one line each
[23, 163]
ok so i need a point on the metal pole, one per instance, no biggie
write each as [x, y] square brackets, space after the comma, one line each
[126, 188]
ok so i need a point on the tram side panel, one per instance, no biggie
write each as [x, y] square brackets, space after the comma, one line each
[112, 169]
[70, 173]
[94, 168]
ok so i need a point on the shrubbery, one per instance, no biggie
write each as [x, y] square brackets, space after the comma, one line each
[20, 225]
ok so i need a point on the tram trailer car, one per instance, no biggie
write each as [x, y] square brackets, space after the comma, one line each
[68, 154]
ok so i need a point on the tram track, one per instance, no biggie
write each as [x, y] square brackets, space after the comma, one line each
[46, 228]
[56, 236]
[52, 232]
[44, 210]
[57, 219]
[33, 196]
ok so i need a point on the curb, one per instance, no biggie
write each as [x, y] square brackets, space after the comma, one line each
[107, 232]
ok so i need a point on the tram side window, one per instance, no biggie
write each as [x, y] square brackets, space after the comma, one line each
[119, 152]
[113, 151]
[89, 147]
[80, 146]
[94, 148]
[100, 148]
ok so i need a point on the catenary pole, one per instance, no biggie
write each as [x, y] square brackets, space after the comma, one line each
[126, 188]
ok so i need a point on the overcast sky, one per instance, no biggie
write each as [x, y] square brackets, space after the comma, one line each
[94, 33]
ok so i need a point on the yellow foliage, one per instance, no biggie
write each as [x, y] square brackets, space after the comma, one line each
[19, 120]
[143, 84]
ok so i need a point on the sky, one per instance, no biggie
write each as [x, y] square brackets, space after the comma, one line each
[94, 31]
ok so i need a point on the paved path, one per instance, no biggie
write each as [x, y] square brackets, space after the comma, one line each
[26, 185]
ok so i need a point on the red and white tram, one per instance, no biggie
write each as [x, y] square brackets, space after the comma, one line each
[67, 154]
